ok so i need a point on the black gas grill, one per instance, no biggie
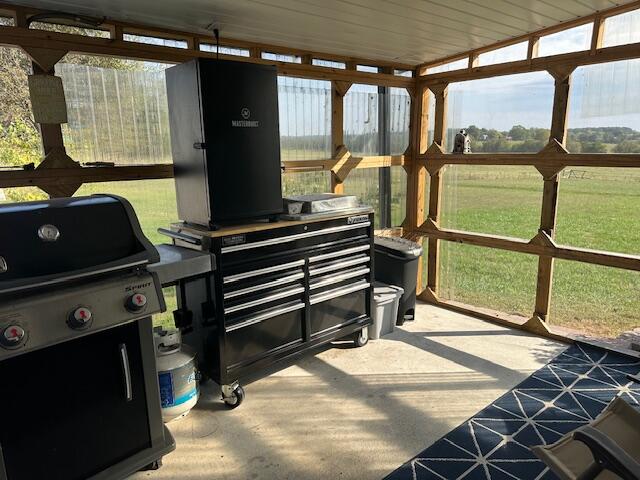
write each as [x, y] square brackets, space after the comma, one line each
[80, 394]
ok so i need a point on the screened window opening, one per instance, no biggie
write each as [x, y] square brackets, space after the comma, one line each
[448, 67]
[504, 114]
[571, 40]
[281, 57]
[361, 120]
[117, 110]
[622, 29]
[488, 278]
[304, 183]
[224, 50]
[376, 122]
[604, 113]
[367, 69]
[56, 27]
[20, 141]
[305, 118]
[162, 42]
[318, 62]
[399, 112]
[510, 53]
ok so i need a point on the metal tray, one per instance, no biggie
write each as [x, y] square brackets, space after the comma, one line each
[321, 202]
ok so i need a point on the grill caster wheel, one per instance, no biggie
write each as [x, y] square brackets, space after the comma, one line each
[232, 395]
[361, 338]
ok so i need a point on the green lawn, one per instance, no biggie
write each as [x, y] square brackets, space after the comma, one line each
[155, 203]
[598, 208]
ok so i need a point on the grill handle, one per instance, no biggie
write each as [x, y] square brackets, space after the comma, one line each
[126, 372]
[181, 236]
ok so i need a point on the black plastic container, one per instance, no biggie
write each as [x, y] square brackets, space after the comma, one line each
[396, 263]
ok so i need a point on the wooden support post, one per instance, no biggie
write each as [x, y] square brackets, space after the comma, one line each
[550, 192]
[55, 155]
[597, 34]
[116, 32]
[338, 91]
[416, 172]
[474, 61]
[532, 50]
[440, 92]
[51, 133]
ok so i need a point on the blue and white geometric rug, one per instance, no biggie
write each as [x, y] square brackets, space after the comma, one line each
[560, 397]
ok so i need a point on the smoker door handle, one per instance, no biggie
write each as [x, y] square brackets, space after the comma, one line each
[126, 372]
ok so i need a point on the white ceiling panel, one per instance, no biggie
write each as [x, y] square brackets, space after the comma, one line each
[407, 31]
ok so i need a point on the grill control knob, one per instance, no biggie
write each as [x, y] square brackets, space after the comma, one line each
[136, 303]
[80, 318]
[13, 336]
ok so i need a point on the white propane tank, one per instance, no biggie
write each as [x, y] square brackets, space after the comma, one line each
[177, 374]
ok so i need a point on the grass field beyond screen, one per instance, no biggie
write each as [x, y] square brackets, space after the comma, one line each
[598, 208]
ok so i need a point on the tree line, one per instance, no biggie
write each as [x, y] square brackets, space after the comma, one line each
[579, 140]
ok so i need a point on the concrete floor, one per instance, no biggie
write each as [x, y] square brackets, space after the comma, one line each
[356, 413]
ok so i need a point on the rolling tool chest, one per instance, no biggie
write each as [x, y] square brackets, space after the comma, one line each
[280, 289]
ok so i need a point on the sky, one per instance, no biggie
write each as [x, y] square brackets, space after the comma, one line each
[604, 95]
[601, 95]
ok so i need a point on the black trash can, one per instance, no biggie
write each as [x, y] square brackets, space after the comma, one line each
[396, 263]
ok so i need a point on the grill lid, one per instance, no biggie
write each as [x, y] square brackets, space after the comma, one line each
[46, 242]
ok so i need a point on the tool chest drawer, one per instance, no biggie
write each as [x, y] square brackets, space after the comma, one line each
[290, 240]
[338, 306]
[255, 335]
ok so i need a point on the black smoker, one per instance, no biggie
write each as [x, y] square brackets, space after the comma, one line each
[225, 140]
[80, 391]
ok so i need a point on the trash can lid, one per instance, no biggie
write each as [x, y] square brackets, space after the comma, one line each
[383, 292]
[398, 246]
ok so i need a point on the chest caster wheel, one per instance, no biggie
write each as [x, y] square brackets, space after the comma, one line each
[361, 338]
[155, 465]
[232, 395]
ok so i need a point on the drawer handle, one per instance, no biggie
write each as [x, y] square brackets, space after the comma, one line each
[337, 266]
[265, 316]
[292, 238]
[262, 271]
[339, 253]
[267, 299]
[330, 279]
[257, 288]
[126, 372]
[338, 292]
